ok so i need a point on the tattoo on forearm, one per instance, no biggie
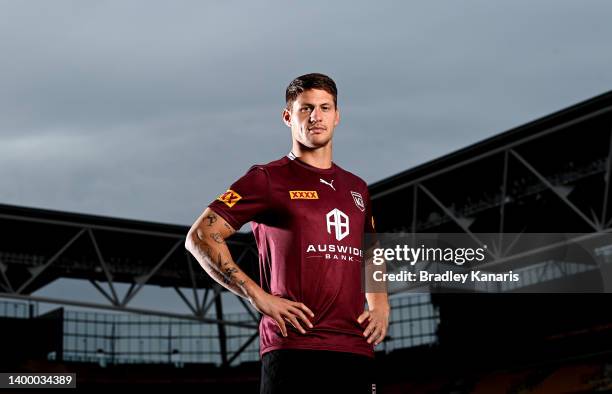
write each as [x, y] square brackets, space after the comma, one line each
[227, 226]
[217, 238]
[229, 274]
[222, 271]
[211, 219]
[218, 275]
[228, 271]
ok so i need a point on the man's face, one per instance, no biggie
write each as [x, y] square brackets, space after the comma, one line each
[312, 118]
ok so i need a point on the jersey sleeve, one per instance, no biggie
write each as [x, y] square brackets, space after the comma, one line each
[245, 200]
[369, 228]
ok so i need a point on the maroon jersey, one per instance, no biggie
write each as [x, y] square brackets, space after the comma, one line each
[309, 224]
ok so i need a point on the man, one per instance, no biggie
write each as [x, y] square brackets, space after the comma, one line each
[308, 217]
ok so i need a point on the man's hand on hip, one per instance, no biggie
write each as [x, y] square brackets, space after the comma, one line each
[281, 309]
[378, 322]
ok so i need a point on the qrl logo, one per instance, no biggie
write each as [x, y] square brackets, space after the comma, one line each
[337, 219]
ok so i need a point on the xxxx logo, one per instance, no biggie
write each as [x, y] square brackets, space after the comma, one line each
[230, 198]
[303, 195]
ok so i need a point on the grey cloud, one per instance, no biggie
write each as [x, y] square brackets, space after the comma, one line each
[150, 109]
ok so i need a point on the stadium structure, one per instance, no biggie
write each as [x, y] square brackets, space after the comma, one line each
[551, 334]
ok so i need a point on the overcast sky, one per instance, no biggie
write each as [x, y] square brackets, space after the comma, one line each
[150, 109]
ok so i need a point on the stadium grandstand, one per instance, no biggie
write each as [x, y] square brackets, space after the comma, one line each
[553, 334]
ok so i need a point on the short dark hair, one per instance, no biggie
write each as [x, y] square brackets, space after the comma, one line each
[307, 82]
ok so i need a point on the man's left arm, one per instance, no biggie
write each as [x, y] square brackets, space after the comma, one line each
[377, 314]
[377, 317]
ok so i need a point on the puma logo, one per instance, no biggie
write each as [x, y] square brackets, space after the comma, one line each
[330, 184]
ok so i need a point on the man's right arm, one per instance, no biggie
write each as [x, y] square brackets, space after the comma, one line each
[206, 242]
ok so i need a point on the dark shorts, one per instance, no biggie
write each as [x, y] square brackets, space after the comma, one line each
[316, 371]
